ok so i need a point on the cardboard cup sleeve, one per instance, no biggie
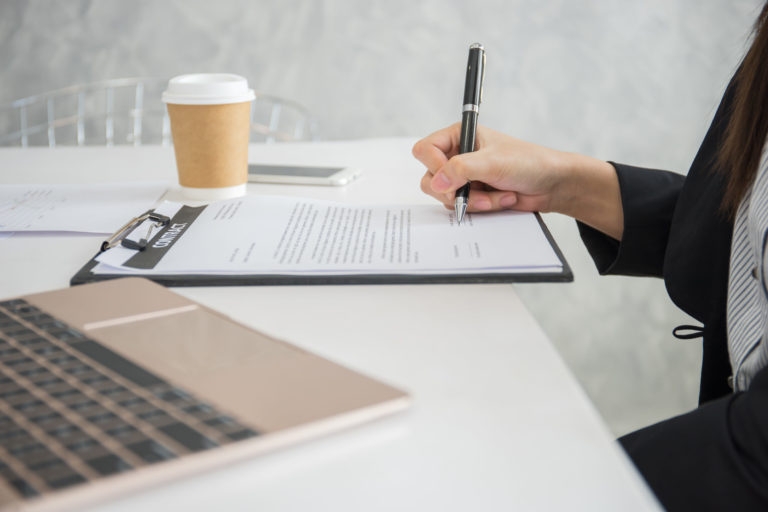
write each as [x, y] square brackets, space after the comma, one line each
[211, 143]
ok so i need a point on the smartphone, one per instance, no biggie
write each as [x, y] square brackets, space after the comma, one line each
[301, 174]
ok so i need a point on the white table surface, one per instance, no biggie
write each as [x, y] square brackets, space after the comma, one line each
[497, 421]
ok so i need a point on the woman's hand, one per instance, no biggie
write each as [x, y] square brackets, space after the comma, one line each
[508, 173]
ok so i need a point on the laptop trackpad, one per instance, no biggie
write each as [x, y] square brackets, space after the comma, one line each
[262, 381]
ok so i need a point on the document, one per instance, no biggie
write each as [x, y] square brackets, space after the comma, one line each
[99, 209]
[289, 235]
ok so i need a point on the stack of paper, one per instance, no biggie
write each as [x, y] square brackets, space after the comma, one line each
[299, 236]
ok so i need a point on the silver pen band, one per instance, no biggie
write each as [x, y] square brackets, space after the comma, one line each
[470, 107]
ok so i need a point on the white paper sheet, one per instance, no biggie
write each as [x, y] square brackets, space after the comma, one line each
[289, 235]
[99, 209]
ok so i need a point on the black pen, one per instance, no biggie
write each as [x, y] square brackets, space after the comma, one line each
[473, 94]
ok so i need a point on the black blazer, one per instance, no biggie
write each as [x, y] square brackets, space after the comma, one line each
[715, 457]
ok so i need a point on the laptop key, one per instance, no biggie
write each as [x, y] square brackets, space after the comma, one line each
[13, 392]
[66, 335]
[12, 434]
[11, 304]
[16, 330]
[35, 410]
[16, 359]
[108, 464]
[68, 434]
[60, 475]
[151, 451]
[114, 391]
[49, 351]
[201, 411]
[62, 358]
[22, 486]
[53, 325]
[30, 339]
[175, 396]
[242, 434]
[82, 403]
[126, 434]
[37, 318]
[20, 450]
[6, 423]
[27, 405]
[136, 404]
[47, 420]
[84, 445]
[35, 456]
[96, 380]
[8, 350]
[79, 370]
[26, 309]
[36, 372]
[43, 462]
[157, 417]
[188, 437]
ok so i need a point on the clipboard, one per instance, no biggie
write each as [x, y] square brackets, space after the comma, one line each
[127, 237]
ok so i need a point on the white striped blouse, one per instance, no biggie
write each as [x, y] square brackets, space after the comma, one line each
[747, 309]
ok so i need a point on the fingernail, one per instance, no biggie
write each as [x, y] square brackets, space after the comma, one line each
[440, 182]
[508, 200]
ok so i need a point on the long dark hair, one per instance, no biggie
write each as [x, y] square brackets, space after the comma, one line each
[739, 156]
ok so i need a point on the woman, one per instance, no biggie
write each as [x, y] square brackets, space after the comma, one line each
[706, 234]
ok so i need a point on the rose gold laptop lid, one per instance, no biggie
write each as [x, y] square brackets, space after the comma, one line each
[282, 393]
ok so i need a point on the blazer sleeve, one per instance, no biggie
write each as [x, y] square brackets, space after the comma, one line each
[648, 198]
[713, 458]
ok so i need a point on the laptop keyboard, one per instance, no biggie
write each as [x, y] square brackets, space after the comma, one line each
[73, 410]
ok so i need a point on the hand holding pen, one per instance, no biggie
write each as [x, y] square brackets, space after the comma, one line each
[508, 173]
[512, 174]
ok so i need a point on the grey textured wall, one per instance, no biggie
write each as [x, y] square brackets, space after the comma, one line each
[629, 81]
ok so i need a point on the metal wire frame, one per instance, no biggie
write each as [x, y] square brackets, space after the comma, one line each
[276, 119]
[91, 116]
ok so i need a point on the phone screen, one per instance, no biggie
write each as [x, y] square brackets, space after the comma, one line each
[292, 170]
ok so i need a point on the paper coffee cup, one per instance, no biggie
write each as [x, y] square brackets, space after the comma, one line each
[210, 123]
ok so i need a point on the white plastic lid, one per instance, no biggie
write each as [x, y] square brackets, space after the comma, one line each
[208, 89]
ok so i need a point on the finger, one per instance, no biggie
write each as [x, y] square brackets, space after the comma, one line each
[480, 201]
[441, 183]
[435, 150]
[453, 174]
[483, 197]
[446, 199]
[497, 200]
[458, 170]
[425, 184]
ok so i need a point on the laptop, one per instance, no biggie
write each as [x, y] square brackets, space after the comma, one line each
[109, 387]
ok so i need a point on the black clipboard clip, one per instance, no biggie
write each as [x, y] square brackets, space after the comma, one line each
[157, 221]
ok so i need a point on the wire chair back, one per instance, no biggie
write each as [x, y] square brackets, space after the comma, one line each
[129, 111]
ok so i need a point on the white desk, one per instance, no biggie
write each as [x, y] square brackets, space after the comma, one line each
[497, 423]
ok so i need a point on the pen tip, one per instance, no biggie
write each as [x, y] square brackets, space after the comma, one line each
[461, 209]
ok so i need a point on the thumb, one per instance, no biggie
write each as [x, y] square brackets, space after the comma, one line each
[459, 170]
